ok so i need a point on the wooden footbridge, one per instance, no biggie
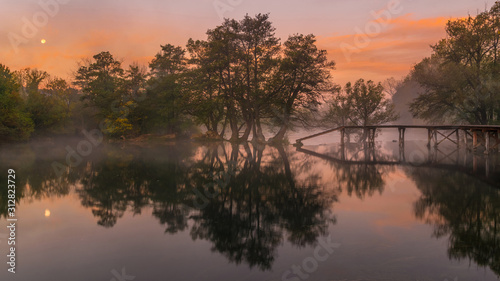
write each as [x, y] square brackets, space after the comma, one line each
[473, 136]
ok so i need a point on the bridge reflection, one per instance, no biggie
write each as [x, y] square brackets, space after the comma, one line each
[484, 167]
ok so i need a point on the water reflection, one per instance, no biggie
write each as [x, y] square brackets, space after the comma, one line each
[247, 200]
[458, 194]
[466, 210]
[355, 167]
[260, 204]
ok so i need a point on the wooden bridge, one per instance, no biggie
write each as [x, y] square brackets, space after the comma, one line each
[477, 135]
[483, 167]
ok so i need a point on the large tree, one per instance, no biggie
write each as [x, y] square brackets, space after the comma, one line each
[46, 100]
[103, 84]
[165, 88]
[460, 79]
[205, 100]
[14, 123]
[303, 75]
[250, 80]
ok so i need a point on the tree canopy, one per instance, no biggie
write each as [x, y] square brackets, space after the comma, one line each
[460, 79]
[15, 123]
[361, 104]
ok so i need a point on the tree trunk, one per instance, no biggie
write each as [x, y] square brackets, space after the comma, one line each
[280, 135]
[258, 136]
[247, 132]
[234, 129]
[286, 164]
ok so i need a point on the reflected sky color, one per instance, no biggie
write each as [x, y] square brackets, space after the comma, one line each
[130, 207]
[134, 30]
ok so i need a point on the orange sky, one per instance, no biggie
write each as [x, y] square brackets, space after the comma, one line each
[133, 31]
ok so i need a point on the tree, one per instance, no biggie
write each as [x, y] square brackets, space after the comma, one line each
[227, 49]
[48, 107]
[135, 93]
[14, 123]
[460, 78]
[251, 80]
[361, 104]
[204, 99]
[31, 79]
[60, 90]
[259, 49]
[165, 89]
[303, 75]
[102, 82]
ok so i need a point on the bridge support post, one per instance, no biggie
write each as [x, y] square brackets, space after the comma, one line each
[486, 142]
[474, 140]
[487, 166]
[429, 137]
[497, 140]
[401, 136]
[342, 136]
[402, 157]
[466, 134]
[458, 137]
[435, 138]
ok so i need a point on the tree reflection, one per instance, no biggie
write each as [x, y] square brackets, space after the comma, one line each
[131, 179]
[260, 204]
[466, 210]
[353, 168]
[35, 178]
[246, 200]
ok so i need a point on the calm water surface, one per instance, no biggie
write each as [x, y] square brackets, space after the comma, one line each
[226, 212]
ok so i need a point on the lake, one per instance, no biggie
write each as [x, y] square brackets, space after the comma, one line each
[191, 211]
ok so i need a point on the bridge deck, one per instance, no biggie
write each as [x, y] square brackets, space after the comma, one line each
[481, 134]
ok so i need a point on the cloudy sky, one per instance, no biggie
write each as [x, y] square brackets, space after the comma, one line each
[371, 39]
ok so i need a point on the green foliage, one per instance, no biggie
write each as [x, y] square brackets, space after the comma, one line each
[461, 77]
[105, 87]
[14, 123]
[49, 107]
[304, 73]
[242, 77]
[164, 106]
[100, 82]
[361, 104]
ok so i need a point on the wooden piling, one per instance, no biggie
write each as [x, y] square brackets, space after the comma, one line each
[474, 140]
[486, 142]
[476, 132]
[429, 137]
[401, 136]
[465, 137]
[435, 138]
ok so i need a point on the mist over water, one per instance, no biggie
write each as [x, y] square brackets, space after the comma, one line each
[242, 212]
[383, 135]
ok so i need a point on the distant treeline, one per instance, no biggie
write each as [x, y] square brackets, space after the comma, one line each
[241, 81]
